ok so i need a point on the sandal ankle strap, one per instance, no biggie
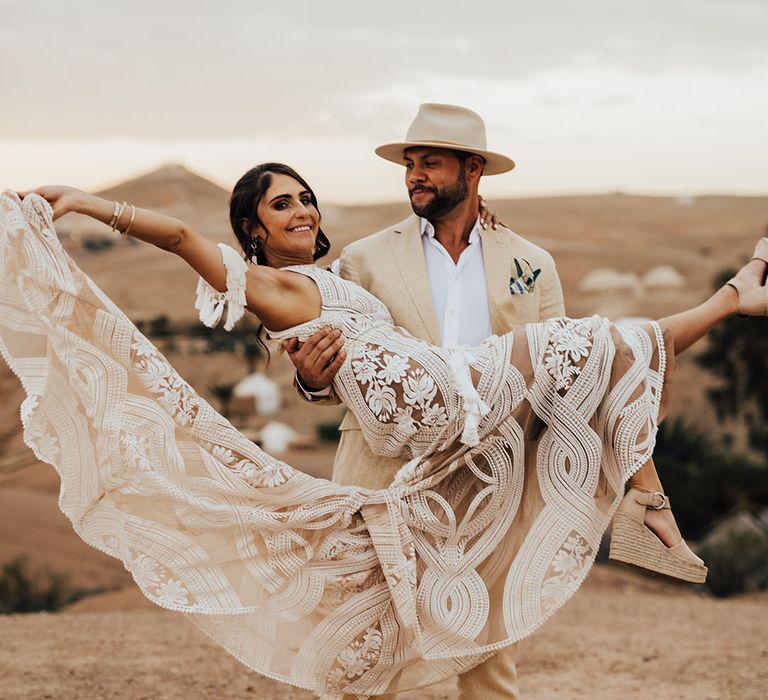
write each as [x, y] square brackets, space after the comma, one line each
[655, 500]
[761, 250]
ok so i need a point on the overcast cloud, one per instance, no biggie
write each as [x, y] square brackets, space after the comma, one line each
[614, 86]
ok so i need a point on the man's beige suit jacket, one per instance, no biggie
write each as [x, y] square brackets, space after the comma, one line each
[390, 264]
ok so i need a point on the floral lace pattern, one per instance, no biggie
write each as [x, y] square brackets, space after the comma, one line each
[568, 569]
[172, 392]
[153, 577]
[381, 373]
[568, 346]
[357, 658]
[484, 534]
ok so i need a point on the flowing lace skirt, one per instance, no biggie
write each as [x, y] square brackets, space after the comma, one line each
[336, 589]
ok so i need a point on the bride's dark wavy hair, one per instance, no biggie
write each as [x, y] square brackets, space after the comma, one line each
[244, 203]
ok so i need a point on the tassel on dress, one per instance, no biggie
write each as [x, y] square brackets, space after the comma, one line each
[474, 407]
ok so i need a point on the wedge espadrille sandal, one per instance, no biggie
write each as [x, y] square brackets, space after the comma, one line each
[633, 542]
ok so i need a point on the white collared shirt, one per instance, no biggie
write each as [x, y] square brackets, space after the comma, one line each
[459, 295]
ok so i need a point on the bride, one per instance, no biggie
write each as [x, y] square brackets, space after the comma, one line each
[518, 449]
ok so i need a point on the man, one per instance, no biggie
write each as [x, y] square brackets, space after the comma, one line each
[446, 279]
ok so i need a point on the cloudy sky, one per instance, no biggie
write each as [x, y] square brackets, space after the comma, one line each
[656, 96]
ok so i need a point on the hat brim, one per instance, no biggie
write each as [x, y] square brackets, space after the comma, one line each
[495, 163]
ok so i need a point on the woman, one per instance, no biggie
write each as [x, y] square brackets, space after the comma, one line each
[520, 449]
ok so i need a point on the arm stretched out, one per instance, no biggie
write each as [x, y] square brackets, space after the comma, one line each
[279, 299]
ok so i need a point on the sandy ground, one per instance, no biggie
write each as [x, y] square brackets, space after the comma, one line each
[622, 637]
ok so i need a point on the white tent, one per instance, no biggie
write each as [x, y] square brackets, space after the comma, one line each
[277, 437]
[265, 392]
[663, 276]
[607, 279]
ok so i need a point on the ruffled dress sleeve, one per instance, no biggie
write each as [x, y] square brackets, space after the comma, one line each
[210, 302]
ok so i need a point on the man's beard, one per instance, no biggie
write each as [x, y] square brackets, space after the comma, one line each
[443, 201]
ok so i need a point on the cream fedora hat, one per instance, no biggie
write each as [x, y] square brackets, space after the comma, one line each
[448, 126]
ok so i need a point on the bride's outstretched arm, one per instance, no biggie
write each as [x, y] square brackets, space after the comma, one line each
[165, 232]
[273, 295]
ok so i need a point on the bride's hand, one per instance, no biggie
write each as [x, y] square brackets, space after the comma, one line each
[487, 217]
[62, 199]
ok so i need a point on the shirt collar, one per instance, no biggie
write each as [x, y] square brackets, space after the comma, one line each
[427, 229]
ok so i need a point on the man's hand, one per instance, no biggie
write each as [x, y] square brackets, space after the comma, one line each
[318, 359]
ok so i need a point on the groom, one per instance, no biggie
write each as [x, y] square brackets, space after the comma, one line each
[446, 280]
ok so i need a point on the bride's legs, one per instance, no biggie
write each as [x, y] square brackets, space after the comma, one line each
[686, 327]
[693, 324]
[689, 326]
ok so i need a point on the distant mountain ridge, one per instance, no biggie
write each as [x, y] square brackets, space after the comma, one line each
[630, 233]
[167, 187]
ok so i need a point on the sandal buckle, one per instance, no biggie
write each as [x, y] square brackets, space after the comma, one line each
[664, 501]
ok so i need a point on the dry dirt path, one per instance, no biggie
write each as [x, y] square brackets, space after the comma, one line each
[622, 637]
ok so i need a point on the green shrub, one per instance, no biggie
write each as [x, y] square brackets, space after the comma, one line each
[22, 591]
[735, 355]
[224, 393]
[737, 564]
[328, 432]
[96, 245]
[160, 327]
[705, 479]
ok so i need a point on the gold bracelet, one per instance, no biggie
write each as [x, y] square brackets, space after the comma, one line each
[118, 215]
[117, 220]
[113, 220]
[130, 223]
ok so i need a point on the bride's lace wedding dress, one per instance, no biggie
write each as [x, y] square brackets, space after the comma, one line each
[515, 455]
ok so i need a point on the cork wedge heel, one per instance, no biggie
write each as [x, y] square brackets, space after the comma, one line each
[633, 542]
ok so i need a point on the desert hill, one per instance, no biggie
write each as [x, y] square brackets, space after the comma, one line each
[171, 190]
[696, 235]
[143, 281]
[169, 187]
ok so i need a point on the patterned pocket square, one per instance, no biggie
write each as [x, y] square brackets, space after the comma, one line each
[526, 278]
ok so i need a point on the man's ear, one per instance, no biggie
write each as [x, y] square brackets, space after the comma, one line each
[475, 166]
